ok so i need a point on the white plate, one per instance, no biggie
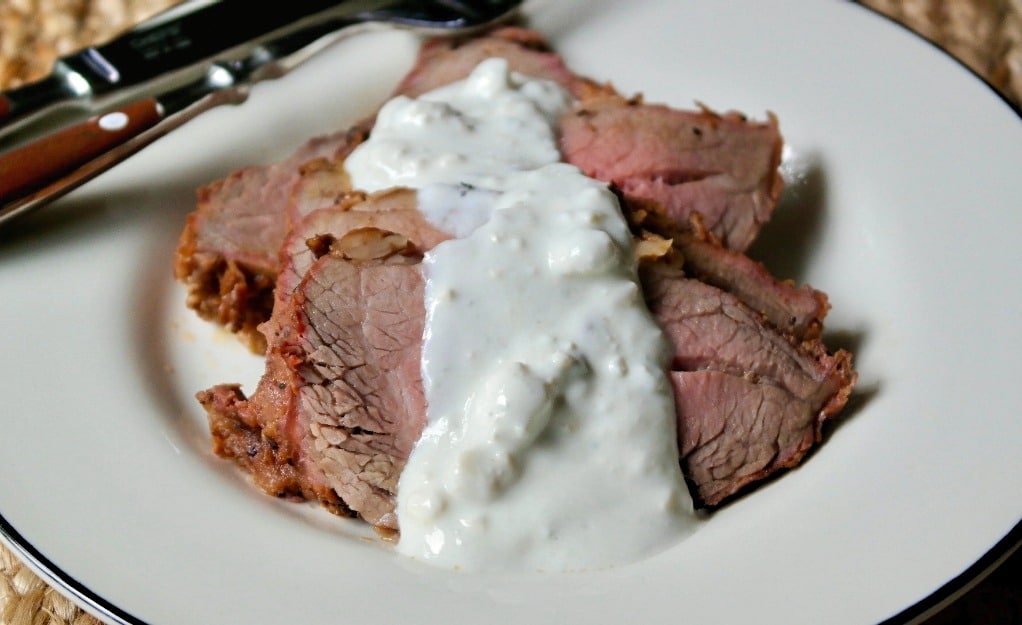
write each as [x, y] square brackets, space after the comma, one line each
[905, 212]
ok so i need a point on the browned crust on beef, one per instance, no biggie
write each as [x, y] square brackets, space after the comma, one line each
[262, 438]
[253, 448]
[226, 292]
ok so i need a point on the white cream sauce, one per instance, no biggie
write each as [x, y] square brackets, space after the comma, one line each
[550, 442]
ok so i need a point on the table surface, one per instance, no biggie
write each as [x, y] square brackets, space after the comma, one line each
[986, 35]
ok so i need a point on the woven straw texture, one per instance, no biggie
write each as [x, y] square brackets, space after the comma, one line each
[985, 34]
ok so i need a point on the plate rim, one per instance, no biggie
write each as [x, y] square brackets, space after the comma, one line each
[60, 580]
[961, 584]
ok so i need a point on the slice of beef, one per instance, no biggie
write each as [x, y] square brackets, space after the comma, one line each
[227, 255]
[734, 431]
[768, 396]
[797, 311]
[342, 360]
[392, 210]
[361, 389]
[340, 405]
[720, 167]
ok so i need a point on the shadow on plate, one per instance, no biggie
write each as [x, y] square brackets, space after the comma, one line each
[787, 243]
[182, 418]
[85, 217]
[787, 246]
[152, 297]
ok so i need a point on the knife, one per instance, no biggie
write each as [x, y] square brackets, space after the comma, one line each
[174, 44]
[54, 164]
[173, 41]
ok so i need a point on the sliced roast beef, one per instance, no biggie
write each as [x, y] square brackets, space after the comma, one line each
[720, 167]
[768, 396]
[797, 311]
[227, 253]
[342, 382]
[341, 403]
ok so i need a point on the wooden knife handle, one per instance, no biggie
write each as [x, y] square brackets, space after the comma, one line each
[31, 167]
[5, 108]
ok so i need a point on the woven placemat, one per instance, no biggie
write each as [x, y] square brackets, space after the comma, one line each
[985, 34]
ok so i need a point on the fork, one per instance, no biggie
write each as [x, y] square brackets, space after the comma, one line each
[51, 165]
